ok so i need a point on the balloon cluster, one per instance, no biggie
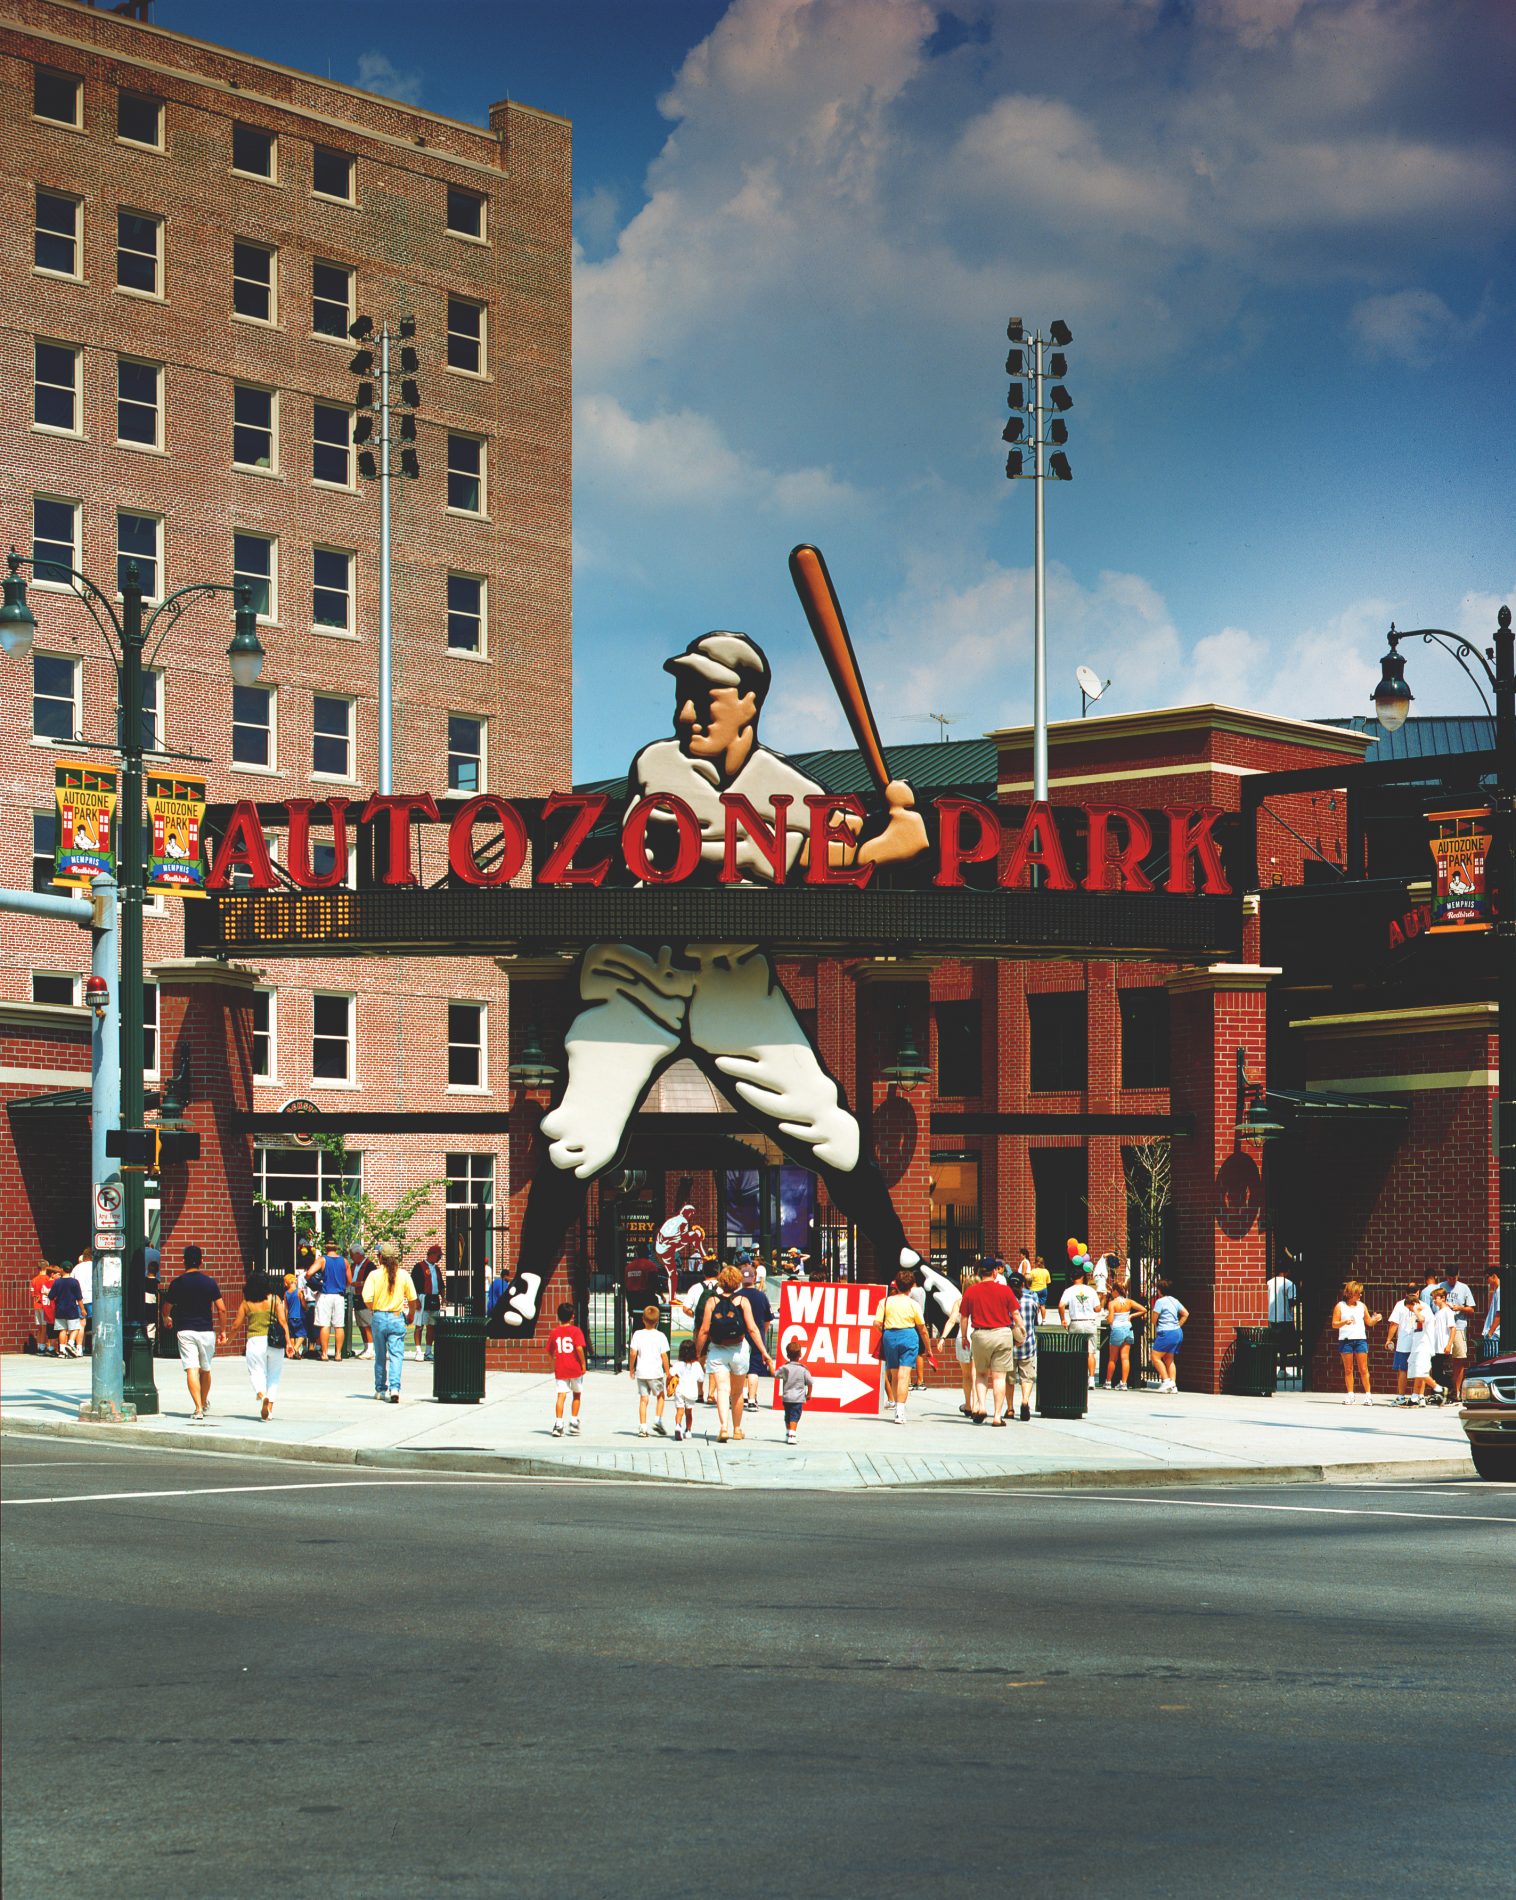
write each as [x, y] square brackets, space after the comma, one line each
[1079, 1254]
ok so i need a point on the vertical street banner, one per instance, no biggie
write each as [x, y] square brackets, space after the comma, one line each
[86, 843]
[1460, 847]
[833, 1323]
[175, 813]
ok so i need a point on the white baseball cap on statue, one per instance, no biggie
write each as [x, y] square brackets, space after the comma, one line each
[725, 659]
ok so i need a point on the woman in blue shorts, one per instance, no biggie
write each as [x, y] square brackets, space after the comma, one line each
[1169, 1319]
[902, 1340]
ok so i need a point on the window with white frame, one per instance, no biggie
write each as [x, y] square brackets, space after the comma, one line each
[139, 119]
[254, 152]
[254, 289]
[331, 299]
[255, 565]
[466, 336]
[139, 403]
[465, 614]
[470, 1180]
[465, 753]
[55, 386]
[332, 1038]
[265, 1035]
[465, 474]
[44, 849]
[331, 445]
[255, 423]
[324, 863]
[332, 736]
[253, 727]
[55, 540]
[57, 97]
[54, 986]
[306, 1178]
[58, 235]
[55, 696]
[149, 1028]
[332, 173]
[466, 213]
[465, 1046]
[139, 539]
[332, 590]
[139, 252]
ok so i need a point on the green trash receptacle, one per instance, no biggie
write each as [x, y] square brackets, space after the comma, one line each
[1255, 1367]
[1063, 1373]
[458, 1359]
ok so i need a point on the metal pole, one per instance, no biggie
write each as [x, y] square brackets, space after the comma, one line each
[1505, 960]
[386, 708]
[131, 879]
[1039, 619]
[107, 1364]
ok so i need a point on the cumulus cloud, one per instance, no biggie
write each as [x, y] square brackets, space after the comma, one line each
[1406, 326]
[377, 72]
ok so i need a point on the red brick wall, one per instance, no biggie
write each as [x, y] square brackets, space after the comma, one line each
[43, 1160]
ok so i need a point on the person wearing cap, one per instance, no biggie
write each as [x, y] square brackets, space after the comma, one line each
[645, 1006]
[430, 1282]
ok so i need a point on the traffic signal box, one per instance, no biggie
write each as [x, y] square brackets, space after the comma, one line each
[145, 1150]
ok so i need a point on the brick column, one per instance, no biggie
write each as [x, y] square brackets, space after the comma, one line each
[1219, 1267]
[205, 1013]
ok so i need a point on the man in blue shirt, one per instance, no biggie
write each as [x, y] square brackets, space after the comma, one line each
[763, 1314]
[331, 1301]
[67, 1297]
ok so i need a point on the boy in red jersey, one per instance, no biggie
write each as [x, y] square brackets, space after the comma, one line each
[569, 1348]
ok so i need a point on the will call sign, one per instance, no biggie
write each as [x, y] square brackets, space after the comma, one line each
[662, 841]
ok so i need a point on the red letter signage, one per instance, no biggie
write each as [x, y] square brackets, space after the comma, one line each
[558, 866]
[460, 841]
[400, 806]
[243, 846]
[1191, 836]
[952, 854]
[827, 829]
[1127, 863]
[299, 851]
[771, 839]
[1038, 843]
[634, 838]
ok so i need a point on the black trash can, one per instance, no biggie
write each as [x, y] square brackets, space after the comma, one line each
[1063, 1373]
[458, 1359]
[1255, 1363]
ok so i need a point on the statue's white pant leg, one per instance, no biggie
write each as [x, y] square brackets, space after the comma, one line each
[613, 1048]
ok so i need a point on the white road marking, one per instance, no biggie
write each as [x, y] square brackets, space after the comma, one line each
[1309, 1510]
[376, 1483]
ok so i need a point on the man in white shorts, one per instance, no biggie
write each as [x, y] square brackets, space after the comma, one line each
[1080, 1308]
[194, 1309]
[331, 1302]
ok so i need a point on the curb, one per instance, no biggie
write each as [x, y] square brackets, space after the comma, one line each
[528, 1465]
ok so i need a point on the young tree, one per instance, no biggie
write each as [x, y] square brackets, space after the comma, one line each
[354, 1218]
[1149, 1186]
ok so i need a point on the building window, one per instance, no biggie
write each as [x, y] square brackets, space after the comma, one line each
[139, 119]
[254, 414]
[324, 863]
[332, 737]
[465, 1046]
[304, 1177]
[139, 403]
[960, 1049]
[255, 565]
[1059, 1038]
[254, 151]
[55, 387]
[332, 590]
[332, 174]
[253, 293]
[332, 1038]
[50, 986]
[470, 1180]
[253, 736]
[465, 335]
[331, 299]
[465, 753]
[139, 538]
[56, 244]
[44, 849]
[57, 96]
[1144, 1038]
[139, 252]
[465, 212]
[465, 613]
[331, 445]
[55, 540]
[265, 1035]
[149, 1028]
[55, 696]
[465, 474]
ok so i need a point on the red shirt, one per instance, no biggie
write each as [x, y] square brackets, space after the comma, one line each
[990, 1304]
[569, 1350]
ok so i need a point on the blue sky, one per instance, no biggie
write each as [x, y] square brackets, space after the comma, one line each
[1281, 231]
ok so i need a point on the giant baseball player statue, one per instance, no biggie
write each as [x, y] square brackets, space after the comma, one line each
[718, 1002]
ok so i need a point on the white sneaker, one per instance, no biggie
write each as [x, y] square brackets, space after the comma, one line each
[678, 1433]
[789, 1438]
[1122, 1387]
[1367, 1399]
[573, 1428]
[558, 1428]
[1092, 1382]
[1350, 1398]
[418, 1355]
[642, 1431]
[899, 1414]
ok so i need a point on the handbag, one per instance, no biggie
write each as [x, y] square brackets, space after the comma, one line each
[277, 1338]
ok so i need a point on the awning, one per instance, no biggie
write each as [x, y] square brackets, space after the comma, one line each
[1317, 1105]
[64, 1102]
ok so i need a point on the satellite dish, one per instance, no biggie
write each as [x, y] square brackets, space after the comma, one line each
[1090, 687]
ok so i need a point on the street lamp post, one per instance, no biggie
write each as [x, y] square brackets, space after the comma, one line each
[132, 630]
[1392, 701]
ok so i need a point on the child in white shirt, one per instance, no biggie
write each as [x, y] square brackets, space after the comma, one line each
[648, 1364]
[686, 1381]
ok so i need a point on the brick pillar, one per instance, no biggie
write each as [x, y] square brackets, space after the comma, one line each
[1218, 1268]
[896, 1121]
[205, 1013]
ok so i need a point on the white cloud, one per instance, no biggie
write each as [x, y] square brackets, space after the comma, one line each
[377, 72]
[1408, 326]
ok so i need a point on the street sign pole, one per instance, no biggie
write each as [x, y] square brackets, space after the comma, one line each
[107, 1363]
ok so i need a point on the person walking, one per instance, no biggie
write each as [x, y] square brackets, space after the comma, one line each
[1353, 1319]
[763, 1315]
[1029, 1312]
[903, 1340]
[1405, 1317]
[686, 1380]
[973, 1405]
[725, 1343]
[570, 1355]
[1122, 1310]
[359, 1267]
[1489, 1331]
[42, 1310]
[84, 1273]
[1079, 1308]
[391, 1296]
[1170, 1317]
[647, 1363]
[994, 1316]
[263, 1347]
[195, 1311]
[296, 1331]
[431, 1282]
[67, 1300]
[795, 1384]
[1423, 1346]
[331, 1302]
[1462, 1308]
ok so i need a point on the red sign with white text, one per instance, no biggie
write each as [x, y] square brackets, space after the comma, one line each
[833, 1323]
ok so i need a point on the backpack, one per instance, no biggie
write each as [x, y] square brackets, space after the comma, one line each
[726, 1322]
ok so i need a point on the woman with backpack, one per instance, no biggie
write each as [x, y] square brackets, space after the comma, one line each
[727, 1339]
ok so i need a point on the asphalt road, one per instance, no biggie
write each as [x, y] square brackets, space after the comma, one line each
[232, 1679]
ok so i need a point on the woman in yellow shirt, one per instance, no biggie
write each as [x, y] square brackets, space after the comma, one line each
[391, 1296]
[902, 1339]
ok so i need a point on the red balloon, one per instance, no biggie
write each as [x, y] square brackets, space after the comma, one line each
[1074, 1249]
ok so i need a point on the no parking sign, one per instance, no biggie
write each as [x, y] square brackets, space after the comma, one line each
[833, 1323]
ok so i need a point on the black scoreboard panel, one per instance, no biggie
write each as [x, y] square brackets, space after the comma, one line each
[794, 920]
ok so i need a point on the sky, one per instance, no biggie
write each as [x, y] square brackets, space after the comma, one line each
[1281, 232]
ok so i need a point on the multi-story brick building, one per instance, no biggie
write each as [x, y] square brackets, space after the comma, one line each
[194, 234]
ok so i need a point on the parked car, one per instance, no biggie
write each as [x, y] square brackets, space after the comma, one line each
[1488, 1415]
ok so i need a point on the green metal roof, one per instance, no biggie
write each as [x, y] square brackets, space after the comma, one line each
[932, 765]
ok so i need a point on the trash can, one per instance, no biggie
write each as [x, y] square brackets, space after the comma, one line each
[458, 1362]
[1063, 1371]
[1255, 1363]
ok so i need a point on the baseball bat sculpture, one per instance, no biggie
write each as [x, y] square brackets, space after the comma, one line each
[822, 609]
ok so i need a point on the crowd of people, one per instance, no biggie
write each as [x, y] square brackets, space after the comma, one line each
[1427, 1336]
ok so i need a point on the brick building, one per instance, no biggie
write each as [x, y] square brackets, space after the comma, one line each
[194, 233]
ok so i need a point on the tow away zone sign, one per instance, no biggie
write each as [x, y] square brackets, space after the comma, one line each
[833, 1324]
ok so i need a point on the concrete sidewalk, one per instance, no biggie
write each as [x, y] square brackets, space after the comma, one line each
[327, 1414]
